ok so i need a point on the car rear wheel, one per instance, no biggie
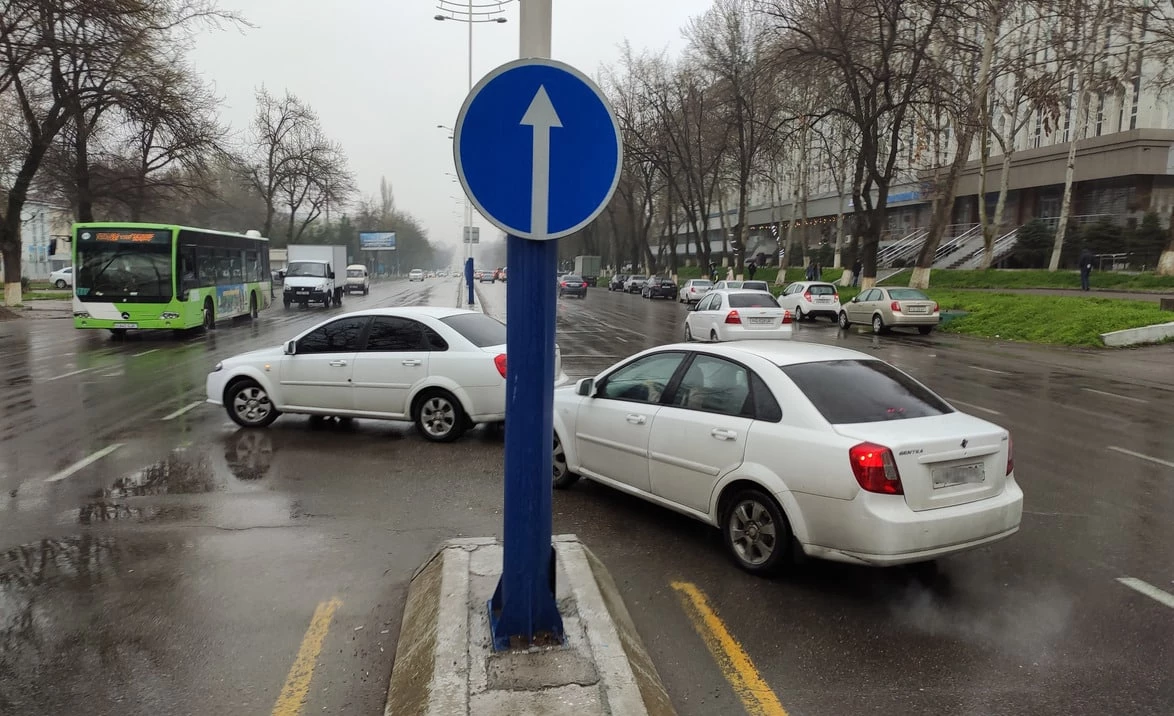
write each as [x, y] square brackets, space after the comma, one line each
[249, 405]
[799, 315]
[878, 324]
[688, 334]
[60, 283]
[439, 416]
[756, 533]
[843, 320]
[563, 477]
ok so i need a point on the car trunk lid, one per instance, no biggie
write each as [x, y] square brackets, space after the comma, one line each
[943, 460]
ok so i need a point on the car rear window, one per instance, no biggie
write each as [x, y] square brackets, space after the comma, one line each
[822, 290]
[863, 391]
[702, 284]
[756, 285]
[752, 300]
[573, 278]
[479, 329]
[907, 294]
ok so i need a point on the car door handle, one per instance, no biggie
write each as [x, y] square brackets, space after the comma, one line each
[412, 362]
[636, 419]
[338, 363]
[723, 434]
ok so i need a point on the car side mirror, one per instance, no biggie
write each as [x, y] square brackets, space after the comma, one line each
[585, 387]
[291, 347]
[331, 274]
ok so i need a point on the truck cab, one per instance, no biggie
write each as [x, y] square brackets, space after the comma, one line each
[357, 279]
[308, 282]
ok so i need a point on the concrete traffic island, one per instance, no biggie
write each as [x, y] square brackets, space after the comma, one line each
[445, 664]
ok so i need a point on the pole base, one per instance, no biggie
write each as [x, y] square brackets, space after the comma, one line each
[518, 625]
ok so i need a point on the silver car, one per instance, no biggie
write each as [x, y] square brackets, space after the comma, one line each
[887, 308]
[694, 290]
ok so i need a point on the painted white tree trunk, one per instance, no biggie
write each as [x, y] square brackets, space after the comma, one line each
[1078, 130]
[12, 294]
[1166, 262]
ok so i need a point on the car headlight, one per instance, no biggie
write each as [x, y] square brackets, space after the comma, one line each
[218, 366]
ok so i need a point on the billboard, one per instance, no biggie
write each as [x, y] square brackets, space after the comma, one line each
[377, 240]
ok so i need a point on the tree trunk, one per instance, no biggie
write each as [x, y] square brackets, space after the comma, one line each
[789, 244]
[12, 289]
[943, 212]
[1166, 259]
[81, 171]
[10, 247]
[743, 231]
[1000, 207]
[837, 262]
[725, 228]
[1069, 171]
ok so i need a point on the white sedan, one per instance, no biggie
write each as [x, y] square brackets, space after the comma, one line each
[792, 446]
[442, 368]
[62, 278]
[811, 299]
[737, 315]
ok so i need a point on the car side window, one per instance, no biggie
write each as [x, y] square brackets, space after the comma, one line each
[765, 406]
[643, 380]
[395, 334]
[341, 336]
[717, 303]
[715, 385]
[872, 295]
[705, 303]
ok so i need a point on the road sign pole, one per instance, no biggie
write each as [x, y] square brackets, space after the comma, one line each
[524, 605]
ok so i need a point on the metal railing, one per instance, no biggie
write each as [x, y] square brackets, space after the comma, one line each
[1001, 247]
[901, 248]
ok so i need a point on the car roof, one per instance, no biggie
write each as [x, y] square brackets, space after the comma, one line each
[737, 291]
[780, 353]
[408, 311]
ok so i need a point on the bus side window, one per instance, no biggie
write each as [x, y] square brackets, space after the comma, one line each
[206, 267]
[252, 266]
[223, 267]
[187, 269]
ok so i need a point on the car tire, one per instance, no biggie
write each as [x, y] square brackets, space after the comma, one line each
[688, 334]
[756, 532]
[713, 336]
[209, 317]
[843, 320]
[799, 316]
[438, 416]
[563, 477]
[60, 283]
[925, 330]
[253, 310]
[248, 404]
[878, 324]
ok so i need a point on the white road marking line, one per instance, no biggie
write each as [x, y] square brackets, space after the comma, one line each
[1141, 456]
[184, 409]
[1149, 590]
[66, 375]
[136, 355]
[84, 462]
[990, 370]
[972, 405]
[1115, 395]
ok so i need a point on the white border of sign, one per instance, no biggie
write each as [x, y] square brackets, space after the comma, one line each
[456, 145]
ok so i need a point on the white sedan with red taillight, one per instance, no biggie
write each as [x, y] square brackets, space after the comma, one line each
[791, 447]
[725, 315]
[441, 368]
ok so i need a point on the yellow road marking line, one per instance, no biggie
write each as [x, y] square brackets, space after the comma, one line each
[731, 658]
[297, 684]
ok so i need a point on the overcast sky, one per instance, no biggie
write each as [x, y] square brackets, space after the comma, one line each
[383, 73]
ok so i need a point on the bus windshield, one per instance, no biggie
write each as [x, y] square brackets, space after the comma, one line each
[127, 272]
[312, 269]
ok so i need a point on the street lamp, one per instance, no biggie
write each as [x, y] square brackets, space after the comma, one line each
[470, 12]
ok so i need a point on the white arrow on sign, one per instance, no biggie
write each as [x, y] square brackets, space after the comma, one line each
[541, 116]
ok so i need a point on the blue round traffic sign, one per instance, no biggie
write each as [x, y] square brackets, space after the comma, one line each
[538, 149]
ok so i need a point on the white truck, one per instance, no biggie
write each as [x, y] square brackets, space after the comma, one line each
[314, 274]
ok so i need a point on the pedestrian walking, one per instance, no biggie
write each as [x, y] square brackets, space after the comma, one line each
[857, 267]
[1085, 268]
[810, 272]
[751, 269]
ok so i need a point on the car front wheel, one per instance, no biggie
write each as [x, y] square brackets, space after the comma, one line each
[439, 417]
[563, 477]
[60, 283]
[878, 324]
[756, 533]
[844, 323]
[249, 404]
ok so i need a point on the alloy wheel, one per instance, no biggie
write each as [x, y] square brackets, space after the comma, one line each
[438, 416]
[252, 405]
[753, 532]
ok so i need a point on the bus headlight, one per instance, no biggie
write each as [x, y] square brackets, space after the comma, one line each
[168, 315]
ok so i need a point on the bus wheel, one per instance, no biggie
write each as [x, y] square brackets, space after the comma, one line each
[209, 316]
[253, 306]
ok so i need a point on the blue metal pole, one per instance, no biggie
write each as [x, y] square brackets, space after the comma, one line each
[523, 606]
[469, 278]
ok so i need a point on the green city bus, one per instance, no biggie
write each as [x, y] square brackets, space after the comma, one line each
[158, 276]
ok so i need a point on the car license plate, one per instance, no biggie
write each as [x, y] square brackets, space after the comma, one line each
[958, 475]
[917, 309]
[302, 290]
[823, 300]
[761, 321]
[126, 325]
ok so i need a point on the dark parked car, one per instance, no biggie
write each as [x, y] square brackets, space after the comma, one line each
[659, 287]
[617, 282]
[572, 285]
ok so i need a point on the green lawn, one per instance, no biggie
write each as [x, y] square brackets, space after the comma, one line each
[1059, 320]
[765, 274]
[1031, 278]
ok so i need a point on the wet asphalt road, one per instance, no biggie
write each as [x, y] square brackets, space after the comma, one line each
[178, 573]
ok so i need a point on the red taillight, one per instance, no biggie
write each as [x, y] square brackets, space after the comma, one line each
[564, 284]
[786, 317]
[875, 469]
[935, 307]
[807, 296]
[733, 317]
[499, 361]
[896, 307]
[1010, 455]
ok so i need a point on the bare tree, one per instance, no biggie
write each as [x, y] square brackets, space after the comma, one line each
[276, 127]
[878, 51]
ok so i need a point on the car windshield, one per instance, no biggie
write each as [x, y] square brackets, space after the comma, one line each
[907, 294]
[863, 391]
[138, 272]
[311, 269]
[752, 300]
[354, 273]
[732, 284]
[479, 329]
[822, 290]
